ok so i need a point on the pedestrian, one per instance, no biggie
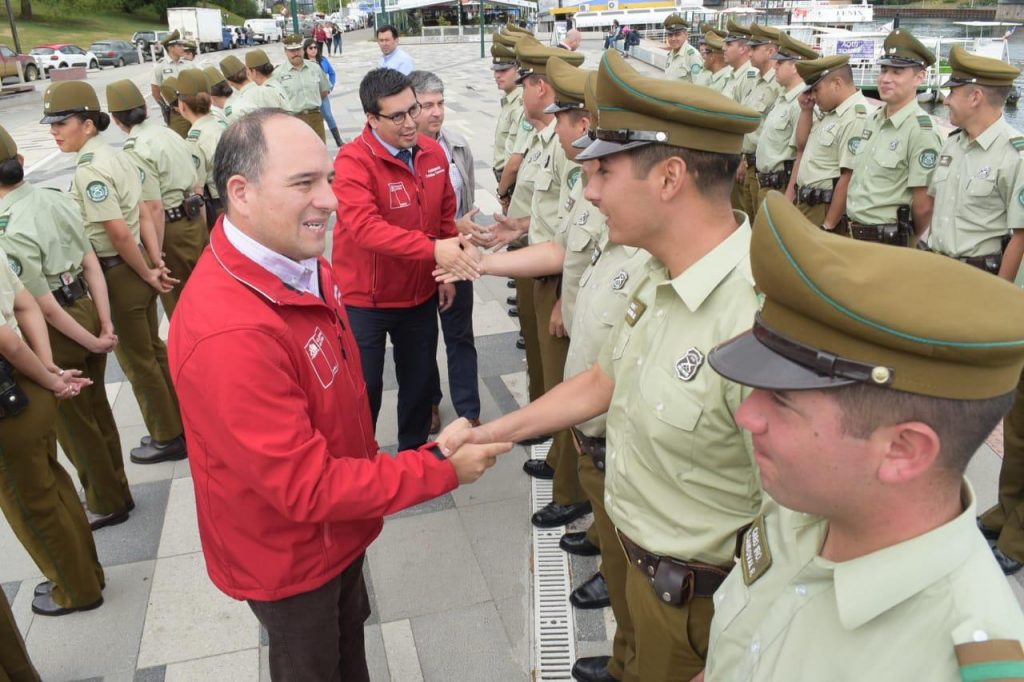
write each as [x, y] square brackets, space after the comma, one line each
[203, 136]
[396, 220]
[171, 190]
[614, 36]
[573, 39]
[313, 54]
[328, 35]
[43, 236]
[684, 61]
[887, 200]
[303, 83]
[166, 67]
[864, 416]
[457, 320]
[108, 190]
[391, 55]
[291, 487]
[319, 35]
[337, 39]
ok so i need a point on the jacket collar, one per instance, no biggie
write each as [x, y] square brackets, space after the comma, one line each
[377, 148]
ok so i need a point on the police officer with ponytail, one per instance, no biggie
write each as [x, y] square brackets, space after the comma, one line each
[195, 105]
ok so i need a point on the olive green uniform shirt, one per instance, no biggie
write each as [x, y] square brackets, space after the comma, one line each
[508, 123]
[203, 138]
[777, 140]
[684, 63]
[786, 613]
[218, 115]
[252, 97]
[721, 80]
[10, 285]
[41, 231]
[681, 479]
[107, 186]
[832, 142]
[165, 68]
[519, 206]
[978, 187]
[605, 287]
[895, 154]
[301, 86]
[761, 98]
[549, 191]
[579, 232]
[743, 81]
[167, 162]
[521, 140]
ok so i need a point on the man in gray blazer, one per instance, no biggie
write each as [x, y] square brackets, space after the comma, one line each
[457, 319]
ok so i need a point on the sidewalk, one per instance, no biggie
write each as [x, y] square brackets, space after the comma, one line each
[450, 581]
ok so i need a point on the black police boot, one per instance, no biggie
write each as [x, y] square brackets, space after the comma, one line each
[592, 594]
[592, 669]
[521, 343]
[45, 587]
[554, 515]
[157, 451]
[1008, 564]
[538, 468]
[97, 521]
[44, 605]
[578, 544]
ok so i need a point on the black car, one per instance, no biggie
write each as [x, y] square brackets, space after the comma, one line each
[146, 38]
[115, 52]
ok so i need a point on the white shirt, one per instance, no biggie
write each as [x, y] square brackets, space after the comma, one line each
[300, 275]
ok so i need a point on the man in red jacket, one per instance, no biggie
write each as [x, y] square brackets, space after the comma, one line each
[396, 218]
[290, 488]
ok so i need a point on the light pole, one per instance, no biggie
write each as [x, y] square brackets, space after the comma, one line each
[14, 27]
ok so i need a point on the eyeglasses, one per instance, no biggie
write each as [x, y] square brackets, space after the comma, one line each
[399, 118]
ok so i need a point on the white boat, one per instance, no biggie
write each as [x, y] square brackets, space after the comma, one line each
[821, 13]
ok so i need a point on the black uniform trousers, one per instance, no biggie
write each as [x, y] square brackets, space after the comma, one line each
[460, 347]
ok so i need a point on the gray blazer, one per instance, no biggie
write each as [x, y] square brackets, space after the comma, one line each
[462, 157]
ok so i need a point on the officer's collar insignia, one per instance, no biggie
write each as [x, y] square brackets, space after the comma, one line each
[945, 160]
[583, 217]
[687, 366]
[755, 556]
[619, 280]
[634, 311]
[569, 203]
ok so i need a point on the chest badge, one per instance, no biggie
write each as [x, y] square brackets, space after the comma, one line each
[688, 365]
[755, 556]
[322, 357]
[569, 203]
[583, 217]
[399, 195]
[636, 309]
[894, 145]
[984, 172]
[945, 160]
[619, 280]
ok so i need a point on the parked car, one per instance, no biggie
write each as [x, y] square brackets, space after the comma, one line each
[62, 56]
[9, 65]
[114, 52]
[144, 39]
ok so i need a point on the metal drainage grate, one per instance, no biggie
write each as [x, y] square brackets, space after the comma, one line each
[554, 631]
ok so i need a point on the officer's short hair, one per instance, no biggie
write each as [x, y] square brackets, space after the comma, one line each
[962, 425]
[378, 84]
[11, 172]
[995, 95]
[242, 149]
[712, 172]
[388, 28]
[426, 82]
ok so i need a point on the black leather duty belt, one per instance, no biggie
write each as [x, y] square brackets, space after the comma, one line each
[595, 447]
[67, 294]
[751, 160]
[990, 263]
[887, 233]
[675, 582]
[776, 179]
[813, 196]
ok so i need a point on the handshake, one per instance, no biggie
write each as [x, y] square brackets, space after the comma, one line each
[468, 450]
[460, 258]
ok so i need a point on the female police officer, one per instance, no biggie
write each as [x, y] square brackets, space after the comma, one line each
[108, 190]
[194, 104]
[36, 494]
[41, 232]
[169, 181]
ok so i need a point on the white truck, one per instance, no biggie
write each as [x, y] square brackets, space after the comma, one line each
[201, 25]
[264, 30]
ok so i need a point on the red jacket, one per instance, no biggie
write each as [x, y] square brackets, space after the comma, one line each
[290, 485]
[388, 220]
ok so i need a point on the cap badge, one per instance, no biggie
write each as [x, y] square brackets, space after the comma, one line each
[687, 366]
[881, 375]
[660, 136]
[619, 280]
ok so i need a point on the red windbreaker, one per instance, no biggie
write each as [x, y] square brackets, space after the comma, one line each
[290, 485]
[388, 220]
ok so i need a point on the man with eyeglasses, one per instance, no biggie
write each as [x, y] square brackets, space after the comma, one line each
[396, 219]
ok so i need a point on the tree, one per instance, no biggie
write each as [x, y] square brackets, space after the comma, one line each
[323, 6]
[26, 9]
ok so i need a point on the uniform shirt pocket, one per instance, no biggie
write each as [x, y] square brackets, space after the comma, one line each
[542, 180]
[676, 413]
[578, 240]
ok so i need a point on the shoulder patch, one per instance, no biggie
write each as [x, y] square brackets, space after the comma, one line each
[755, 555]
[526, 125]
[994, 659]
[928, 158]
[194, 134]
[97, 191]
[695, 69]
[15, 265]
[573, 177]
[85, 158]
[1018, 143]
[925, 122]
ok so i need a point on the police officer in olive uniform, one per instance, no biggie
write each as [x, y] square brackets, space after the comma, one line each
[737, 49]
[776, 145]
[680, 477]
[37, 496]
[503, 64]
[866, 564]
[220, 92]
[168, 168]
[304, 85]
[521, 134]
[251, 92]
[203, 136]
[888, 198]
[684, 61]
[764, 43]
[832, 117]
[107, 186]
[41, 232]
[716, 75]
[169, 65]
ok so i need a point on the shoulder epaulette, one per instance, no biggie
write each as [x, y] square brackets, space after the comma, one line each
[860, 110]
[194, 134]
[925, 121]
[994, 659]
[85, 158]
[751, 74]
[1018, 143]
[129, 144]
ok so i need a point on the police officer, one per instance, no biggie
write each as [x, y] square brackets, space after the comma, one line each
[41, 232]
[888, 197]
[826, 142]
[776, 145]
[680, 480]
[521, 135]
[684, 61]
[168, 168]
[248, 82]
[866, 564]
[220, 92]
[36, 494]
[737, 55]
[503, 64]
[169, 65]
[304, 85]
[203, 136]
[764, 43]
[716, 75]
[108, 189]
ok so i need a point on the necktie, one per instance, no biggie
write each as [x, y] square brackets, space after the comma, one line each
[405, 156]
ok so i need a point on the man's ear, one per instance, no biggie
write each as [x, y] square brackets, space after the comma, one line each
[908, 450]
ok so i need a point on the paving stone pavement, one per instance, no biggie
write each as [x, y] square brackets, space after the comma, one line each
[449, 580]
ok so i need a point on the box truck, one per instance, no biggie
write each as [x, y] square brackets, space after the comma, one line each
[201, 25]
